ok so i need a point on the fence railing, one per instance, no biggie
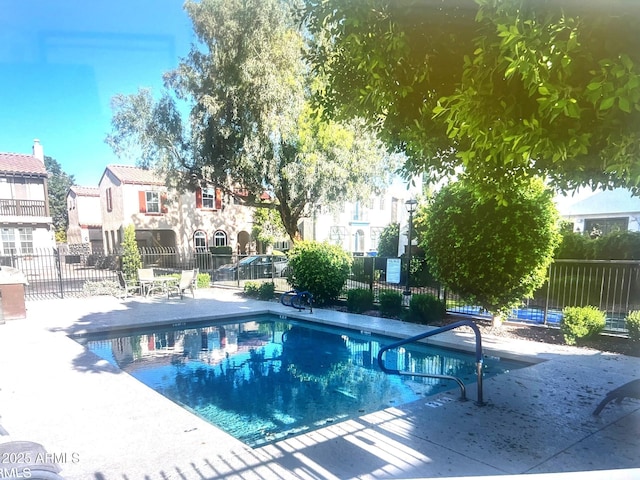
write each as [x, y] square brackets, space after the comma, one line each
[612, 286]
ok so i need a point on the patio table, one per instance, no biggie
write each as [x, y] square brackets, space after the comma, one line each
[161, 284]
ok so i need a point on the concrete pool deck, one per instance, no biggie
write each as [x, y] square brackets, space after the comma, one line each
[99, 423]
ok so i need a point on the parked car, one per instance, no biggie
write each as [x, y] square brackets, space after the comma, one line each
[255, 266]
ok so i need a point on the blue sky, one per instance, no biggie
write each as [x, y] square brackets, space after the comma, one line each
[61, 62]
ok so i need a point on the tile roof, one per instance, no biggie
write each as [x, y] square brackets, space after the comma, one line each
[21, 164]
[135, 175]
[85, 191]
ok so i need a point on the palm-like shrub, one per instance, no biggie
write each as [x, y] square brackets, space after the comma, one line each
[319, 268]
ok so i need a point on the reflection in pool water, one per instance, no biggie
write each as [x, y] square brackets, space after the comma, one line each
[266, 378]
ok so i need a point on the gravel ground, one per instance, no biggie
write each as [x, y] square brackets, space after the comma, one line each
[553, 335]
[541, 333]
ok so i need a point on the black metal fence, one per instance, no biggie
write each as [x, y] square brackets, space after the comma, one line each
[612, 286]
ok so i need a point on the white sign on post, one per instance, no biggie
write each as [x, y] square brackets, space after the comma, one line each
[393, 270]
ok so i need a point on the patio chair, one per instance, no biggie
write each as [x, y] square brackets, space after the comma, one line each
[628, 390]
[188, 281]
[147, 281]
[127, 287]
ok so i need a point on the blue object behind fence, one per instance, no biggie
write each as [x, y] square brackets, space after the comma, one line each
[295, 299]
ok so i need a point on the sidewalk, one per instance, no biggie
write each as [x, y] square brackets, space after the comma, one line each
[102, 424]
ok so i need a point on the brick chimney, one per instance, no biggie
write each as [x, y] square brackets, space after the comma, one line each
[37, 150]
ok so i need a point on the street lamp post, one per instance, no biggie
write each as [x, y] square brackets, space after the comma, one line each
[411, 208]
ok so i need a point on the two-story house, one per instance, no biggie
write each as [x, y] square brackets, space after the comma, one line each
[357, 226]
[603, 211]
[85, 219]
[186, 221]
[25, 221]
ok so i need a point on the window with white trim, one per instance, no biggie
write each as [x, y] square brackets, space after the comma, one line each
[337, 234]
[375, 237]
[8, 241]
[153, 202]
[26, 239]
[220, 238]
[109, 196]
[17, 240]
[200, 240]
[208, 197]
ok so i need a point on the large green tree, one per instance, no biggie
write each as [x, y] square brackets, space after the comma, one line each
[503, 89]
[58, 185]
[492, 254]
[250, 127]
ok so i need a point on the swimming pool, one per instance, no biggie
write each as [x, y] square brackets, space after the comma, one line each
[263, 378]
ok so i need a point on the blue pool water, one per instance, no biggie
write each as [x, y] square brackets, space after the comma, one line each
[264, 378]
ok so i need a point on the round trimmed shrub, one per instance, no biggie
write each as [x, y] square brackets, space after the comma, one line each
[359, 300]
[492, 252]
[320, 268]
[390, 303]
[633, 325]
[580, 323]
[425, 308]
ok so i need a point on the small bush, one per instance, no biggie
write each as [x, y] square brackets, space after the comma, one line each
[251, 289]
[103, 287]
[261, 291]
[319, 268]
[266, 291]
[204, 280]
[425, 308]
[359, 300]
[580, 323]
[633, 325]
[390, 303]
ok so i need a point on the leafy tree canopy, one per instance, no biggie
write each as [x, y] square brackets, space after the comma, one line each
[58, 185]
[389, 238]
[501, 89]
[267, 226]
[250, 125]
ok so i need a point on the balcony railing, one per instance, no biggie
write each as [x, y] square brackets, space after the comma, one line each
[23, 208]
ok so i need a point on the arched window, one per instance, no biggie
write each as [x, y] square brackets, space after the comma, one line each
[200, 240]
[220, 238]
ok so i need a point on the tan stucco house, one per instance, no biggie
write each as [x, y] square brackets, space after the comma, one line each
[85, 220]
[166, 218]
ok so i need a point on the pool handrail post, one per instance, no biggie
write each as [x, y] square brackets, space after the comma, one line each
[436, 331]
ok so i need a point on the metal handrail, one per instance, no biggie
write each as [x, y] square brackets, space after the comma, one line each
[431, 333]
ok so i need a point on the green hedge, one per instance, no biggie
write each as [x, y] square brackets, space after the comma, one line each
[425, 308]
[359, 300]
[390, 303]
[259, 290]
[633, 325]
[579, 323]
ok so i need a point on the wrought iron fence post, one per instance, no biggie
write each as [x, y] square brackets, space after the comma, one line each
[56, 253]
[546, 303]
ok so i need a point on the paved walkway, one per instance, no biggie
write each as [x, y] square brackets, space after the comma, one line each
[101, 424]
